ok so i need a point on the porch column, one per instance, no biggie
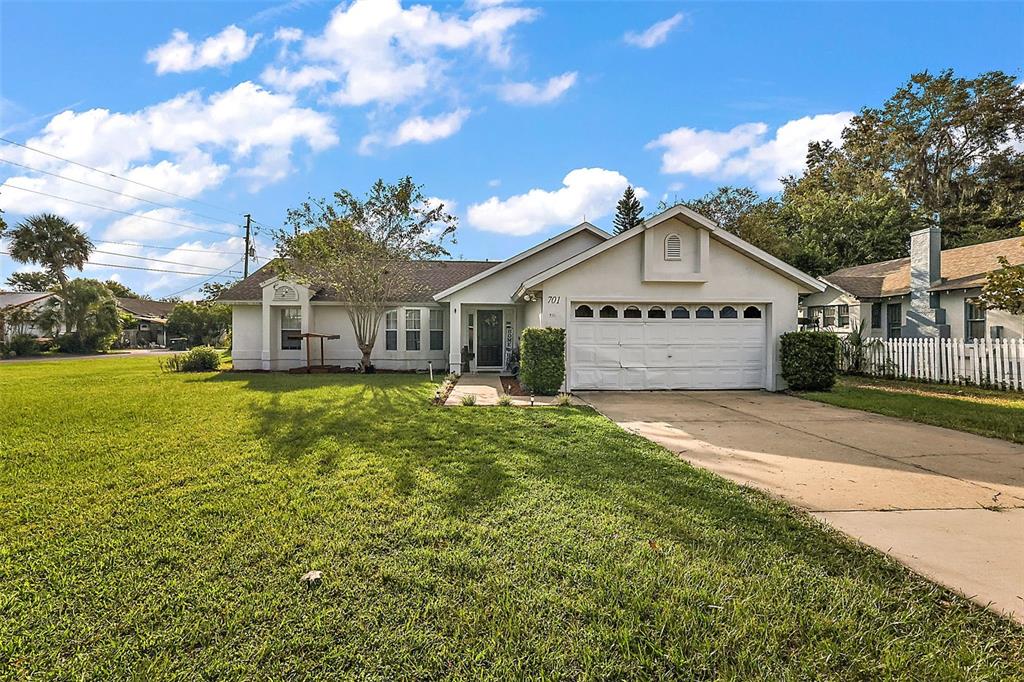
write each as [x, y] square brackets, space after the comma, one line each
[266, 322]
[455, 336]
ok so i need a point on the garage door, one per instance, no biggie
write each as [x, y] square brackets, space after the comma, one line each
[618, 346]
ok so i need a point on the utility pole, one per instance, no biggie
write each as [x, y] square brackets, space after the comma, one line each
[248, 235]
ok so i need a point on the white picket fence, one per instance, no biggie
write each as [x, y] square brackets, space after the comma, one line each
[994, 363]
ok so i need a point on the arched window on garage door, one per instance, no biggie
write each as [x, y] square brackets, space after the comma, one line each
[728, 313]
[609, 312]
[632, 313]
[656, 312]
[705, 313]
[680, 313]
[584, 311]
[751, 312]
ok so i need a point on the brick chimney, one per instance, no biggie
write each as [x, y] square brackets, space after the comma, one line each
[924, 320]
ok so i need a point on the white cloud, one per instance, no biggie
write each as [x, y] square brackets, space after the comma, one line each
[418, 129]
[379, 52]
[531, 93]
[494, 182]
[185, 145]
[180, 54]
[744, 152]
[655, 35]
[589, 193]
[288, 34]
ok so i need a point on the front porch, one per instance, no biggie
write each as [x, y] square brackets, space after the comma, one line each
[485, 337]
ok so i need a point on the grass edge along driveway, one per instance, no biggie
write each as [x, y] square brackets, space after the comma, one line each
[996, 414]
[155, 525]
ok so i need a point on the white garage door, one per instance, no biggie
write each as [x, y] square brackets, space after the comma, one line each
[645, 347]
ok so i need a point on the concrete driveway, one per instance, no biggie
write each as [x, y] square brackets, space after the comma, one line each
[946, 503]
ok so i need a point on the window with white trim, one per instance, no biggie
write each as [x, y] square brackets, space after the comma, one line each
[673, 247]
[609, 312]
[680, 313]
[705, 313]
[632, 313]
[751, 312]
[843, 316]
[391, 330]
[656, 312]
[436, 329]
[584, 311]
[412, 329]
[974, 320]
[728, 313]
[291, 327]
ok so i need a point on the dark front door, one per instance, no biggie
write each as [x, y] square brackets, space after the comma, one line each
[488, 340]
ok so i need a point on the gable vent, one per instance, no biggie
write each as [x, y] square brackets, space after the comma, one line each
[673, 247]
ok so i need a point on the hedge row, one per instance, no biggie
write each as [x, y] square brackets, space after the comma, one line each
[542, 359]
[809, 360]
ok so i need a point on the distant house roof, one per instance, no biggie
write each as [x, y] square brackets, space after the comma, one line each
[14, 299]
[965, 267]
[424, 279]
[144, 309]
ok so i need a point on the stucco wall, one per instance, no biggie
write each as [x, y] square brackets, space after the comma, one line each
[617, 275]
[246, 336]
[835, 297]
[955, 304]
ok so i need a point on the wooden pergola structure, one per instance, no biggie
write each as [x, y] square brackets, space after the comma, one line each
[310, 367]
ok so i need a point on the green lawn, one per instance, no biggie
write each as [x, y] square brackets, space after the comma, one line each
[999, 414]
[156, 525]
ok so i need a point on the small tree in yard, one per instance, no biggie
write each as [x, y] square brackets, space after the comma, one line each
[357, 249]
[628, 212]
[90, 315]
[1004, 289]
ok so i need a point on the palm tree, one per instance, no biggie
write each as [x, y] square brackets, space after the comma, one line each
[53, 242]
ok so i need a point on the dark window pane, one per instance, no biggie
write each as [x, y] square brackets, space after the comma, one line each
[705, 313]
[752, 312]
[656, 313]
[728, 313]
[391, 339]
[680, 313]
[436, 340]
[609, 311]
[632, 313]
[584, 311]
[876, 315]
[412, 339]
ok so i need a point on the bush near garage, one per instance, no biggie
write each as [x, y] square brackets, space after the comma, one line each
[542, 359]
[809, 360]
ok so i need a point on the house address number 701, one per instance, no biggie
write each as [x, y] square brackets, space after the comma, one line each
[554, 299]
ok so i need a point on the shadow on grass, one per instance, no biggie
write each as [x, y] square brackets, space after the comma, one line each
[472, 461]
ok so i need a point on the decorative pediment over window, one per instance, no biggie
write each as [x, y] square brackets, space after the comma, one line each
[285, 292]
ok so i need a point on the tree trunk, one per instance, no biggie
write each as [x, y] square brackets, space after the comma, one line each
[364, 363]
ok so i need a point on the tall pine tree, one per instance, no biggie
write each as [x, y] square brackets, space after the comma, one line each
[628, 212]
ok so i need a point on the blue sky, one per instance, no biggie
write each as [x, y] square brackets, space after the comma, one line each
[523, 117]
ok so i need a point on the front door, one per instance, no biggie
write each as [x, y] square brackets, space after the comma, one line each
[489, 338]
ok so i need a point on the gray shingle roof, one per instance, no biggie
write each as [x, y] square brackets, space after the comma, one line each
[425, 278]
[145, 309]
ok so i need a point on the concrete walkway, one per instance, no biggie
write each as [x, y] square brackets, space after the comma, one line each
[948, 504]
[487, 388]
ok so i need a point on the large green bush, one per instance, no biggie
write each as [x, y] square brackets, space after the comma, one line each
[542, 359]
[23, 344]
[198, 359]
[809, 360]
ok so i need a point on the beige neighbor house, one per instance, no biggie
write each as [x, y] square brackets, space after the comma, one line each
[150, 327]
[933, 293]
[674, 303]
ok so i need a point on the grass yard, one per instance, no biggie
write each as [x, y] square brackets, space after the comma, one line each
[999, 414]
[156, 525]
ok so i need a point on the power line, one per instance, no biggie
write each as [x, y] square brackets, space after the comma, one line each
[135, 267]
[127, 213]
[157, 260]
[113, 175]
[165, 248]
[130, 196]
[199, 284]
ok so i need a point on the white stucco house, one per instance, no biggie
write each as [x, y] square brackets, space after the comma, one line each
[17, 310]
[933, 293]
[674, 303]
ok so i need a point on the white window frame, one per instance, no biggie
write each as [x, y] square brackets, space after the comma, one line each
[391, 331]
[969, 321]
[413, 331]
[439, 314]
[283, 313]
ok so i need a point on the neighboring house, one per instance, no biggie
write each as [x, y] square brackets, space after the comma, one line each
[675, 302]
[933, 293]
[18, 310]
[150, 328]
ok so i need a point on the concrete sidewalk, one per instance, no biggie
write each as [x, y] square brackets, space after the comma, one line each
[948, 504]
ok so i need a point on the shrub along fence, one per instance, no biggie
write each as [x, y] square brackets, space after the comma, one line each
[992, 363]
